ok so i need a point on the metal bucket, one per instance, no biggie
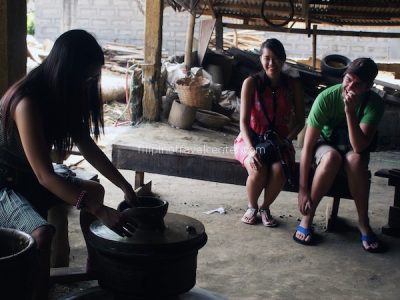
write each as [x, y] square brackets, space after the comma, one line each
[17, 263]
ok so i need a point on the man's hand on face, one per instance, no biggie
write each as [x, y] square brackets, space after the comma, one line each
[350, 99]
[353, 88]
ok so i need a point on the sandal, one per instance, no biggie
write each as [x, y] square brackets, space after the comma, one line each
[371, 238]
[267, 218]
[250, 216]
[308, 232]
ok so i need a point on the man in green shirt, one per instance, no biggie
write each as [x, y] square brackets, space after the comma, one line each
[341, 126]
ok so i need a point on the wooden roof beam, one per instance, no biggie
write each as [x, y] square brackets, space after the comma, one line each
[356, 3]
[318, 31]
[211, 6]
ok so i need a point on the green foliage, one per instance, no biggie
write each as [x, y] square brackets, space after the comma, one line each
[30, 23]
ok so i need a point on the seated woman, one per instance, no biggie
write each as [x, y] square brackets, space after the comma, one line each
[271, 102]
[55, 106]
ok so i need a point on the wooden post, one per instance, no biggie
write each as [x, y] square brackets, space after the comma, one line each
[314, 47]
[13, 50]
[68, 12]
[235, 38]
[189, 42]
[306, 12]
[152, 60]
[219, 34]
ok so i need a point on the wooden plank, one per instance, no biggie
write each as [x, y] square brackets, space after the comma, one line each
[206, 29]
[185, 165]
[152, 60]
[201, 167]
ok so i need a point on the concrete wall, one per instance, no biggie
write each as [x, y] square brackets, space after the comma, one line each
[118, 21]
[122, 21]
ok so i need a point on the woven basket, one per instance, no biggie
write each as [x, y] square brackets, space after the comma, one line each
[193, 91]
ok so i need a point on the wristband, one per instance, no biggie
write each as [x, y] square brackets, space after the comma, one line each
[80, 203]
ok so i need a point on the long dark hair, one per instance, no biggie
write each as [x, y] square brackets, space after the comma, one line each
[68, 102]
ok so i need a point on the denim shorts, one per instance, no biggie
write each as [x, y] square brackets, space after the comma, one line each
[26, 208]
[323, 148]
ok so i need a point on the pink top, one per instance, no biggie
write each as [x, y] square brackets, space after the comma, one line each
[259, 123]
[284, 111]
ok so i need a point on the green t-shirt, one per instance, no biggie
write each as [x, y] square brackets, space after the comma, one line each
[327, 111]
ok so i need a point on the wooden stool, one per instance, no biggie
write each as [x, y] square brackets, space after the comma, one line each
[60, 248]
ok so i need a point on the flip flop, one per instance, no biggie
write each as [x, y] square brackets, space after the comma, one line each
[253, 216]
[307, 232]
[267, 218]
[370, 239]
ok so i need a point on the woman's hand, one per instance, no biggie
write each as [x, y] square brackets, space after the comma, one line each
[305, 202]
[110, 217]
[254, 159]
[115, 220]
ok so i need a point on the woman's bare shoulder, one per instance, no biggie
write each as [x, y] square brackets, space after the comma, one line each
[26, 106]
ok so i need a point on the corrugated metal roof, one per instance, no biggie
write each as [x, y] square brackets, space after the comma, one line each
[337, 12]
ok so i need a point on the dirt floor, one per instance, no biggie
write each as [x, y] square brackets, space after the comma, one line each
[243, 262]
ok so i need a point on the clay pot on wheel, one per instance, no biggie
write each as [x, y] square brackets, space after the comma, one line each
[148, 215]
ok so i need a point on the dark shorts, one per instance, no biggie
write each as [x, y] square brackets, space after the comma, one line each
[24, 206]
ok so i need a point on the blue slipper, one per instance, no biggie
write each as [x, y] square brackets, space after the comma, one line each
[307, 232]
[370, 239]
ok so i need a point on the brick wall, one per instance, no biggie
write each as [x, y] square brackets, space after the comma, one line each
[122, 21]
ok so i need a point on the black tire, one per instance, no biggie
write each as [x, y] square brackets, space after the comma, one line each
[334, 65]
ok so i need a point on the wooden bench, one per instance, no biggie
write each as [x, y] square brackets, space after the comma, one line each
[209, 168]
[393, 226]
